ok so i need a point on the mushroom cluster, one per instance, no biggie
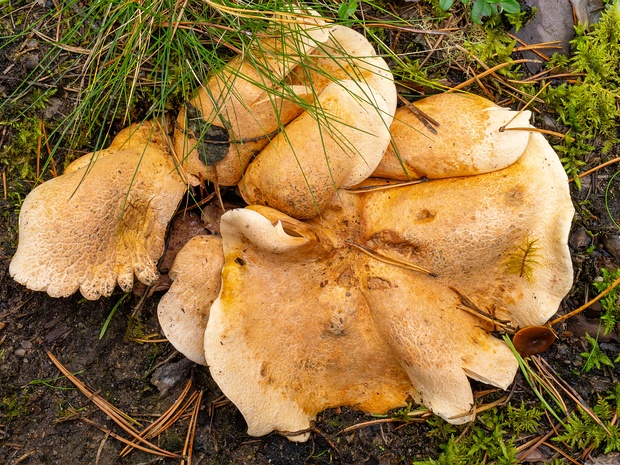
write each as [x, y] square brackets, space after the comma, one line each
[339, 284]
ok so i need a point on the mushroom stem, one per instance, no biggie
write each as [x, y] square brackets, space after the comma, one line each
[391, 261]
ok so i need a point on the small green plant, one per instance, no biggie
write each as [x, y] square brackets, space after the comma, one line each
[524, 420]
[583, 431]
[589, 107]
[112, 312]
[523, 260]
[485, 8]
[14, 407]
[488, 439]
[595, 358]
[610, 315]
[50, 382]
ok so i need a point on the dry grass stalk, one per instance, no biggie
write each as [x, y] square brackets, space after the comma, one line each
[158, 451]
[587, 304]
[390, 261]
[561, 452]
[596, 168]
[191, 432]
[149, 431]
[120, 418]
[551, 374]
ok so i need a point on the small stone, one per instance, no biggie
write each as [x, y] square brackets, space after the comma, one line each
[167, 376]
[2, 325]
[553, 22]
[612, 245]
[20, 352]
[579, 239]
[609, 459]
[30, 61]
[26, 345]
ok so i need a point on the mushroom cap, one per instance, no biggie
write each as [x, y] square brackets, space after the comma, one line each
[533, 340]
[276, 286]
[133, 136]
[520, 215]
[348, 55]
[337, 145]
[243, 104]
[468, 139]
[318, 323]
[100, 224]
[183, 311]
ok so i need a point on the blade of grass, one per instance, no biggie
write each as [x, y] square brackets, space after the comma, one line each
[112, 312]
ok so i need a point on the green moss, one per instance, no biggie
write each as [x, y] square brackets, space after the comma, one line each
[610, 316]
[489, 438]
[589, 106]
[582, 431]
[15, 406]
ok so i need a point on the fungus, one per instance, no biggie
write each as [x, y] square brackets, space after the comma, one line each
[472, 139]
[183, 311]
[325, 325]
[316, 296]
[302, 168]
[234, 114]
[338, 143]
[101, 222]
[533, 340]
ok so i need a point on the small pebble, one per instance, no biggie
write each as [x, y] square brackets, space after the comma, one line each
[30, 62]
[612, 245]
[610, 459]
[579, 239]
[2, 325]
[20, 352]
[167, 376]
[26, 345]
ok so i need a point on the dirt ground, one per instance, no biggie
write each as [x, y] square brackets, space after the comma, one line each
[40, 414]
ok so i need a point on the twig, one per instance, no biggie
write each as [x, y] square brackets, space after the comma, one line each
[49, 150]
[387, 185]
[540, 54]
[534, 443]
[544, 367]
[23, 457]
[159, 452]
[390, 261]
[188, 448]
[426, 120]
[369, 423]
[100, 448]
[541, 78]
[435, 45]
[560, 451]
[39, 137]
[587, 304]
[503, 128]
[596, 168]
[542, 131]
[487, 72]
[118, 416]
[148, 432]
